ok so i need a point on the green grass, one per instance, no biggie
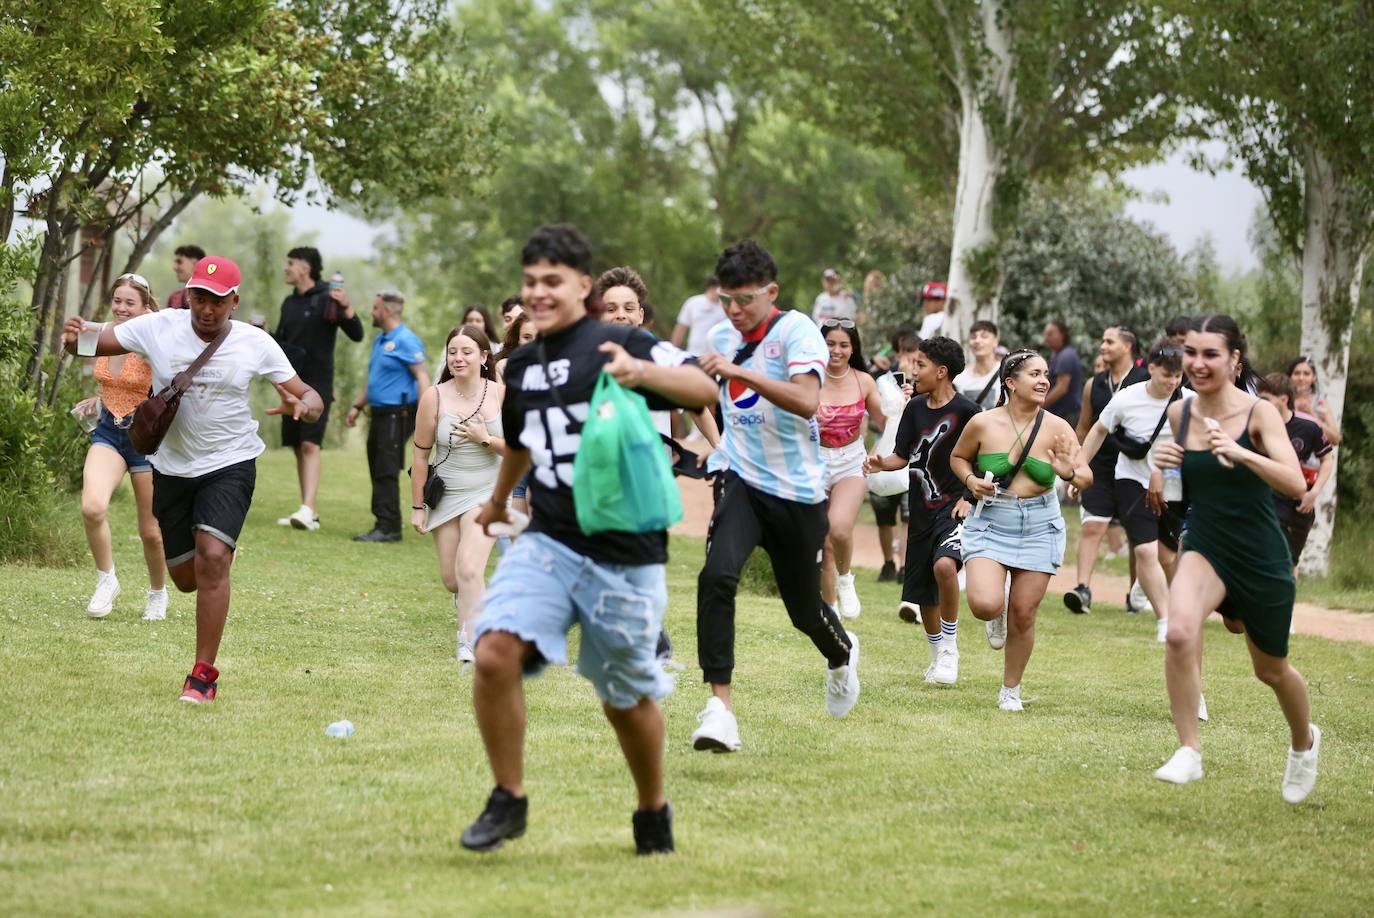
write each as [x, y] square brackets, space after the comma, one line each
[116, 799]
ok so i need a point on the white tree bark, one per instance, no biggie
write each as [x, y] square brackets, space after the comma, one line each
[980, 162]
[1331, 273]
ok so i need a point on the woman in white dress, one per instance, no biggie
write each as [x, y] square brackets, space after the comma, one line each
[460, 420]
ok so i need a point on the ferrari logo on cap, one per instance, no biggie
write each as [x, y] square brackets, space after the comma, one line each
[210, 269]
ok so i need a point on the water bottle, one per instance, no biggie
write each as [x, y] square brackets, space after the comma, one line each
[339, 729]
[1173, 484]
[336, 280]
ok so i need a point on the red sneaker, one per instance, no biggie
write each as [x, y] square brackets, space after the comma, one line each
[199, 687]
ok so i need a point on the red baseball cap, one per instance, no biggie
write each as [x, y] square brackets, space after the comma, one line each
[935, 290]
[216, 274]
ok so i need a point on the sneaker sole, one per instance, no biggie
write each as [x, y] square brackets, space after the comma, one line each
[1074, 602]
[493, 845]
[155, 618]
[908, 615]
[101, 613]
[711, 744]
[303, 527]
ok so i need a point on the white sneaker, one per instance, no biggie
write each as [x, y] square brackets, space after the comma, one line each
[849, 598]
[1301, 774]
[1161, 630]
[304, 518]
[947, 667]
[103, 599]
[930, 674]
[156, 608]
[1184, 767]
[1201, 708]
[842, 685]
[1139, 601]
[1009, 699]
[909, 612]
[718, 730]
[997, 631]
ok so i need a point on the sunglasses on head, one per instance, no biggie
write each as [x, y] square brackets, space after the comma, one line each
[1167, 350]
[138, 279]
[837, 323]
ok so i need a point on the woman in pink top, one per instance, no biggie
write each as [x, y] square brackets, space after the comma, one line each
[123, 382]
[848, 393]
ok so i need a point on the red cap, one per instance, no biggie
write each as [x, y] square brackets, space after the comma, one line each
[935, 290]
[214, 273]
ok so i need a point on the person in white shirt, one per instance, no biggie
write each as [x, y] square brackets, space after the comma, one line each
[698, 315]
[834, 302]
[933, 297]
[204, 470]
[978, 382]
[1135, 420]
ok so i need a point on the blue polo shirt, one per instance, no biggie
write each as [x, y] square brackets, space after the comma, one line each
[389, 380]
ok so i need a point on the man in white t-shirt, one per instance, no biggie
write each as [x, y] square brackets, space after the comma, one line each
[834, 302]
[933, 297]
[1135, 419]
[978, 382]
[698, 315]
[204, 470]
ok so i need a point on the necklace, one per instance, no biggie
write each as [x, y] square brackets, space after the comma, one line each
[481, 400]
[847, 371]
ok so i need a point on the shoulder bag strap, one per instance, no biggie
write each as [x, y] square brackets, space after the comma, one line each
[1026, 448]
[986, 389]
[1164, 416]
[182, 381]
[1183, 423]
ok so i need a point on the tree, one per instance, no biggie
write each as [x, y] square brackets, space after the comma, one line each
[1292, 84]
[116, 114]
[981, 96]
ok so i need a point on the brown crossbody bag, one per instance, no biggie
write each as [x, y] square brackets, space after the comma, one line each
[153, 417]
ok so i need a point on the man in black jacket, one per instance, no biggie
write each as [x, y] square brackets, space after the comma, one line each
[311, 317]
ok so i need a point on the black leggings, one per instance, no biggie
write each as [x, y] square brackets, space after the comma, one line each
[792, 534]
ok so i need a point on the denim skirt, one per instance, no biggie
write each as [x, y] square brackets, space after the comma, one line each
[1026, 534]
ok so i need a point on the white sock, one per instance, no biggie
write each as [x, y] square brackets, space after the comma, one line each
[934, 640]
[949, 631]
[104, 574]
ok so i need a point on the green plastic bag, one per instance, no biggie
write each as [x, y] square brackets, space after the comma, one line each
[622, 480]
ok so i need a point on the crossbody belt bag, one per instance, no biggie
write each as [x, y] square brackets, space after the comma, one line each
[1136, 448]
[153, 417]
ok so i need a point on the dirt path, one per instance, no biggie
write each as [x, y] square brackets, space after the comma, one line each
[1338, 624]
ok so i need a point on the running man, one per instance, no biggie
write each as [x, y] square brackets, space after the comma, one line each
[770, 485]
[1314, 456]
[930, 426]
[555, 576]
[205, 469]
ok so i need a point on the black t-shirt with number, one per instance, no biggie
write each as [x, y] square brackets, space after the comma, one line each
[533, 419]
[925, 438]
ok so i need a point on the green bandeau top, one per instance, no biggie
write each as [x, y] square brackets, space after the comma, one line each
[999, 464]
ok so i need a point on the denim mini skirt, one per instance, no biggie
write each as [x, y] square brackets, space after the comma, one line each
[1026, 534]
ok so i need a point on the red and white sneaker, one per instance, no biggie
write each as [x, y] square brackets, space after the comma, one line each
[199, 687]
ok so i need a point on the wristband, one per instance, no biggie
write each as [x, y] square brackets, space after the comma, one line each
[413, 507]
[1069, 479]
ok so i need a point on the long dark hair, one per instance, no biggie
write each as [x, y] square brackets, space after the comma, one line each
[1011, 367]
[479, 338]
[856, 352]
[1224, 325]
[1299, 362]
[488, 326]
[513, 333]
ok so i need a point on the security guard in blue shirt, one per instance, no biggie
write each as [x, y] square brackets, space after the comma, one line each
[396, 375]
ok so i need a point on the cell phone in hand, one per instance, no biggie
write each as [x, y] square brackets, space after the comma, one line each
[899, 378]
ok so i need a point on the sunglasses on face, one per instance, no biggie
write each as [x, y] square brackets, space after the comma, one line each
[837, 323]
[742, 299]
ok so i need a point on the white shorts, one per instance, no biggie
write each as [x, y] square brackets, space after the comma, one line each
[843, 462]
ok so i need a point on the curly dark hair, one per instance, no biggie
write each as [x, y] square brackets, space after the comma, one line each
[623, 276]
[746, 263]
[944, 352]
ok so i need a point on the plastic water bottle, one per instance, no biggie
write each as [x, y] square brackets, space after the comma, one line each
[339, 729]
[1173, 484]
[336, 280]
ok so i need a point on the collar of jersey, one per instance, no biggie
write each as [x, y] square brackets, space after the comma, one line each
[762, 328]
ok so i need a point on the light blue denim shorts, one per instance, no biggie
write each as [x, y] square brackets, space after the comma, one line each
[1026, 534]
[541, 588]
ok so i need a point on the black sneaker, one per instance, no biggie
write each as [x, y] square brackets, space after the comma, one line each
[664, 650]
[888, 574]
[503, 818]
[654, 831]
[377, 535]
[1079, 600]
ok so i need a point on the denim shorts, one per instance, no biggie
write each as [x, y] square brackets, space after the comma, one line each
[541, 588]
[1025, 534]
[107, 432]
[522, 487]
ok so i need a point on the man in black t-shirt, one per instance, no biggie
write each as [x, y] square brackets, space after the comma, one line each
[931, 424]
[555, 576]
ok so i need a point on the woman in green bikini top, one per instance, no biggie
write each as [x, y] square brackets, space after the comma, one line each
[1233, 451]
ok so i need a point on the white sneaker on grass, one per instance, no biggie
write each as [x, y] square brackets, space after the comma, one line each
[304, 518]
[842, 684]
[1183, 767]
[848, 596]
[155, 610]
[1138, 600]
[1162, 630]
[1301, 774]
[997, 631]
[718, 731]
[1009, 699]
[103, 599]
[946, 667]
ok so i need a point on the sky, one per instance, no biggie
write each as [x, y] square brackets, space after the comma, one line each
[1182, 203]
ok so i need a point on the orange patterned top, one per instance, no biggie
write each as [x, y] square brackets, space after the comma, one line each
[122, 394]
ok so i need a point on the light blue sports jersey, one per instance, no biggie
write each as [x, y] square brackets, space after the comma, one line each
[771, 449]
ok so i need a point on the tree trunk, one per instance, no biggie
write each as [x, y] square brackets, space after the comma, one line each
[1331, 267]
[980, 167]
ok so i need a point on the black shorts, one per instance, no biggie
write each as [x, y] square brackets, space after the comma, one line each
[294, 432]
[1134, 513]
[927, 541]
[1098, 502]
[1296, 528]
[216, 503]
[886, 507]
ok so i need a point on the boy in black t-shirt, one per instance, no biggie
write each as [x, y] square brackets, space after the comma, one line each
[1314, 455]
[930, 426]
[555, 576]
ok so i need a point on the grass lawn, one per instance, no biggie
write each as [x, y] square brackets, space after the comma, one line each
[116, 799]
